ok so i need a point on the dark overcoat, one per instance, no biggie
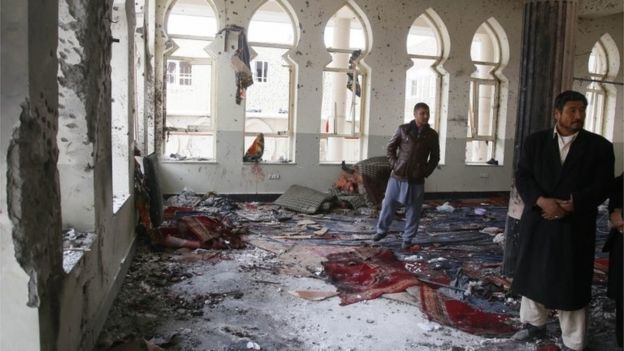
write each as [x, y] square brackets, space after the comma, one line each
[555, 258]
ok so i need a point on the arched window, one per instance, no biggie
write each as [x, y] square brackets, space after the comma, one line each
[602, 66]
[489, 55]
[344, 87]
[189, 122]
[270, 100]
[423, 81]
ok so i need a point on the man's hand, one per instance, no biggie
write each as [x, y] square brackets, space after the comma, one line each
[616, 220]
[551, 209]
[567, 205]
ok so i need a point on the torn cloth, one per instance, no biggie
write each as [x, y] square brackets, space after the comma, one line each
[240, 61]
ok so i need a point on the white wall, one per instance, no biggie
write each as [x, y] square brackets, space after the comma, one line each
[15, 333]
[388, 60]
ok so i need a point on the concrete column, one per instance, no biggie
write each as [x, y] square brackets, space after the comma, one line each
[342, 28]
[546, 70]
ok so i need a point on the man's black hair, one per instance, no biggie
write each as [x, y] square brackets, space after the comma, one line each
[569, 95]
[421, 105]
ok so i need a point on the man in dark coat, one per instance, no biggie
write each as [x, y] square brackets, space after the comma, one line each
[563, 175]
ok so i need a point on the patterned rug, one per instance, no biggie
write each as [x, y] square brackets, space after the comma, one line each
[367, 273]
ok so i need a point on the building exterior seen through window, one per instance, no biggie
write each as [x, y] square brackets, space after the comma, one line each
[270, 100]
[344, 88]
[261, 72]
[189, 122]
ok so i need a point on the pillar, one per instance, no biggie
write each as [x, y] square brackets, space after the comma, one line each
[342, 28]
[546, 70]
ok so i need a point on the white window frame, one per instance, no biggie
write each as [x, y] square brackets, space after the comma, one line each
[190, 130]
[597, 91]
[287, 134]
[473, 110]
[435, 67]
[360, 75]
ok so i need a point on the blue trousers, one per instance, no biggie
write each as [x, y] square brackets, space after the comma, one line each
[399, 193]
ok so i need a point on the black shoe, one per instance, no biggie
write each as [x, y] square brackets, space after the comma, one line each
[379, 236]
[529, 332]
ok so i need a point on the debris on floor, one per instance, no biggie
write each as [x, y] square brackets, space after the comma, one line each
[265, 276]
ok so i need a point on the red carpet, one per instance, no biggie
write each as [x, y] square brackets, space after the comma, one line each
[367, 273]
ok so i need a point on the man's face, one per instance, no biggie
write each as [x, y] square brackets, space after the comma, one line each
[421, 116]
[571, 119]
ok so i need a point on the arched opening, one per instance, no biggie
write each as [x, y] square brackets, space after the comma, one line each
[189, 120]
[489, 54]
[344, 87]
[424, 80]
[603, 66]
[270, 100]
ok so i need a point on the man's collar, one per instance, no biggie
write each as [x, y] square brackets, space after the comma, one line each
[556, 134]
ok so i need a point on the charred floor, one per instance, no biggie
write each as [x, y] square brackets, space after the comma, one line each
[226, 275]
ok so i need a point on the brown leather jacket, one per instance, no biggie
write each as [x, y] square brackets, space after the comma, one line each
[413, 153]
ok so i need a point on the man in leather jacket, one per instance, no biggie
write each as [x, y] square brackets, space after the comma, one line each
[413, 153]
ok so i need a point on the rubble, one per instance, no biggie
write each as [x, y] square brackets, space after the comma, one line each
[278, 291]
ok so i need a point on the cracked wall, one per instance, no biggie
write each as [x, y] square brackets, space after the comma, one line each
[31, 205]
[57, 162]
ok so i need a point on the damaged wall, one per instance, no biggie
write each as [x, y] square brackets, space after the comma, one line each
[30, 202]
[92, 284]
[43, 307]
[388, 60]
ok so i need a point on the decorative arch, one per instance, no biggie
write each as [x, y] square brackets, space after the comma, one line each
[190, 27]
[273, 35]
[428, 47]
[603, 66]
[347, 38]
[489, 53]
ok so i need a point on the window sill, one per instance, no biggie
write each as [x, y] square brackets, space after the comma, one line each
[119, 201]
[481, 164]
[272, 163]
[75, 245]
[189, 161]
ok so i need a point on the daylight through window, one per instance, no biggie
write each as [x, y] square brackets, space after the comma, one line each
[344, 88]
[189, 126]
[270, 100]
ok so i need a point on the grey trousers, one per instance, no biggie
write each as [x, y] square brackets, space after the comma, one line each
[402, 193]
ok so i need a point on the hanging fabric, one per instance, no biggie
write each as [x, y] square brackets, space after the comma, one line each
[240, 61]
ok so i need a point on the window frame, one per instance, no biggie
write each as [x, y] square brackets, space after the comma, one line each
[473, 108]
[362, 74]
[597, 88]
[190, 130]
[288, 134]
